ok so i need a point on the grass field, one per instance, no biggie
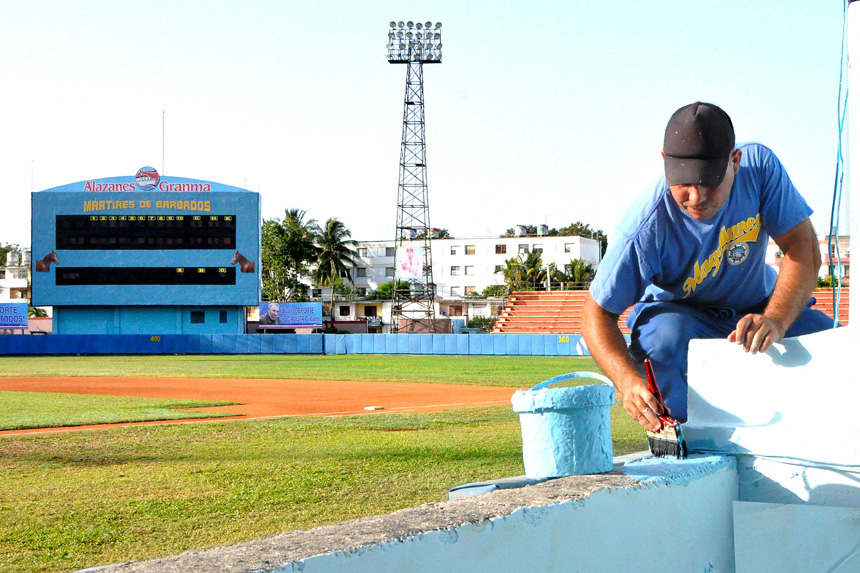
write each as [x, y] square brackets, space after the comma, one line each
[23, 410]
[514, 371]
[82, 499]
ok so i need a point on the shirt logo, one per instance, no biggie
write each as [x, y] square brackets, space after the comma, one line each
[738, 253]
[733, 240]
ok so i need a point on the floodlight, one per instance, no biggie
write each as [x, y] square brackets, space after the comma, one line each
[399, 34]
[392, 24]
[400, 24]
[409, 24]
[438, 24]
[418, 25]
[408, 34]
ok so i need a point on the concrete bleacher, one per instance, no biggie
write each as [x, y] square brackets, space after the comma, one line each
[557, 312]
[560, 312]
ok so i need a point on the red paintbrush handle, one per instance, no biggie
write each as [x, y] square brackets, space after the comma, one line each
[652, 382]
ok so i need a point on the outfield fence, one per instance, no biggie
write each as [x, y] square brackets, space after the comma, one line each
[453, 344]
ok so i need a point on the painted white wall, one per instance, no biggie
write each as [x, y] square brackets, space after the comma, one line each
[679, 519]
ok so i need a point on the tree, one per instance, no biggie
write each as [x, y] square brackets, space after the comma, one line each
[383, 292]
[524, 272]
[334, 254]
[287, 249]
[5, 249]
[577, 276]
[495, 291]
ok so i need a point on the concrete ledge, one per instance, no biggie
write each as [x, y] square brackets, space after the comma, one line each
[641, 512]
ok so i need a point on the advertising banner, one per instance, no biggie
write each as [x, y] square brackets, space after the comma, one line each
[13, 315]
[409, 263]
[290, 315]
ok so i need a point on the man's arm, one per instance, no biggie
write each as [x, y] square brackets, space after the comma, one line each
[794, 286]
[609, 349]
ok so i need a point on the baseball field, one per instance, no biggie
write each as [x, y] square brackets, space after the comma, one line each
[106, 459]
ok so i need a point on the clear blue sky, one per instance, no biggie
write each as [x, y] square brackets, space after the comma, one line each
[545, 111]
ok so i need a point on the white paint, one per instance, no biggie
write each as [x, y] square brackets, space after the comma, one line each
[787, 481]
[611, 530]
[810, 538]
[797, 400]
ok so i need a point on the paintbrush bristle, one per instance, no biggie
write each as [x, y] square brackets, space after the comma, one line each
[669, 441]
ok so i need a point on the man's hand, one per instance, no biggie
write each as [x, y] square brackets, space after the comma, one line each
[757, 332]
[642, 405]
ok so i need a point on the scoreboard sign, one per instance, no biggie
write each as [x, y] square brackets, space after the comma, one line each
[178, 242]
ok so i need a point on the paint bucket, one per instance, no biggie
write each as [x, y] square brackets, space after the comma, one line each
[566, 431]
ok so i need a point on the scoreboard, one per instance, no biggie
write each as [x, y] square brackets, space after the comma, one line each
[106, 243]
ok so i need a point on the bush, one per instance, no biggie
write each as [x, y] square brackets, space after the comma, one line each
[485, 323]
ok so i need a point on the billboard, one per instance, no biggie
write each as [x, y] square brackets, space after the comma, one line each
[146, 240]
[409, 263]
[13, 315]
[290, 315]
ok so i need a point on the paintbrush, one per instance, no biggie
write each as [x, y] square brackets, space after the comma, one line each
[668, 441]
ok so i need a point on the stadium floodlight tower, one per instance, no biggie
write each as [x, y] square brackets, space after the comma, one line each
[412, 310]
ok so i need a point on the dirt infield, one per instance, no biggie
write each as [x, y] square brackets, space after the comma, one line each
[269, 398]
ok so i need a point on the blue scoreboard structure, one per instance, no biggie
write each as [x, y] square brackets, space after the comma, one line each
[146, 255]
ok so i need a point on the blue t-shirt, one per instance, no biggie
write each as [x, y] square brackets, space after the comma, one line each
[660, 253]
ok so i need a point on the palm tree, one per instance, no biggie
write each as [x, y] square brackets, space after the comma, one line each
[578, 274]
[524, 272]
[287, 249]
[334, 251]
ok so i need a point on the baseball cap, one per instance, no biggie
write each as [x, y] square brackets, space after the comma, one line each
[698, 143]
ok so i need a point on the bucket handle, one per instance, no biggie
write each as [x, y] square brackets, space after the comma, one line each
[593, 375]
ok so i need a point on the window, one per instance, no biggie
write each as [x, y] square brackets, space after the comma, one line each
[455, 291]
[369, 311]
[222, 317]
[362, 252]
[501, 249]
[567, 269]
[389, 271]
[316, 292]
[360, 272]
[198, 317]
[523, 249]
[470, 270]
[343, 310]
[470, 249]
[537, 248]
[389, 251]
[568, 247]
[21, 274]
[455, 271]
[455, 250]
[470, 290]
[499, 268]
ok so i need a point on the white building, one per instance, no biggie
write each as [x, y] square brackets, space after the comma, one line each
[15, 277]
[461, 267]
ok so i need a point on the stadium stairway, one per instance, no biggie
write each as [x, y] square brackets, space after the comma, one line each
[560, 312]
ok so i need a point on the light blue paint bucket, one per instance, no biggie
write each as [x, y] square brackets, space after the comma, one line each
[566, 431]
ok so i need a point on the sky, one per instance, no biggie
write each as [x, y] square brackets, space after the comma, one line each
[541, 112]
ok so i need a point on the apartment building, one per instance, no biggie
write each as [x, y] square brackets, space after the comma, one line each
[461, 267]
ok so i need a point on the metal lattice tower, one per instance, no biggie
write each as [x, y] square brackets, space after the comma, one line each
[413, 308]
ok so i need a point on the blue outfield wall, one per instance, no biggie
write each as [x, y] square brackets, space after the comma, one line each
[452, 344]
